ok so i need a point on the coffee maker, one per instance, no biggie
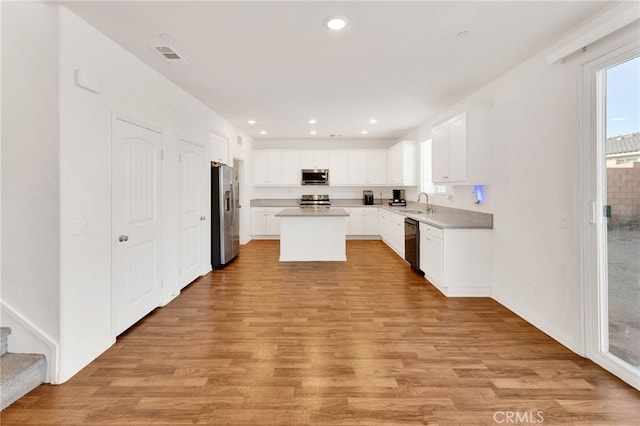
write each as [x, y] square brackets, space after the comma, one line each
[367, 197]
[398, 198]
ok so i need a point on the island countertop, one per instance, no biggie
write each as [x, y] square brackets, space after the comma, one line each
[313, 212]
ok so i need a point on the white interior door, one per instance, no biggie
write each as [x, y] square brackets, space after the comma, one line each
[192, 215]
[137, 222]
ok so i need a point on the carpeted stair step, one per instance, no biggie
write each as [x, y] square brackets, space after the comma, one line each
[19, 373]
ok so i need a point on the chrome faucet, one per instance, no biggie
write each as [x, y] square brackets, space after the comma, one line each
[428, 209]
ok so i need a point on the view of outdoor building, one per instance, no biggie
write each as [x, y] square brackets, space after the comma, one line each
[623, 197]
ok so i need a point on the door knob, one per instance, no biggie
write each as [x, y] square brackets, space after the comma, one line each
[202, 218]
[123, 238]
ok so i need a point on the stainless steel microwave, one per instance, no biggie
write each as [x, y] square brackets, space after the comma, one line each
[315, 177]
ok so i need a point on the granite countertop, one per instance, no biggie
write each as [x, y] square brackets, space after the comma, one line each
[447, 220]
[313, 212]
[442, 217]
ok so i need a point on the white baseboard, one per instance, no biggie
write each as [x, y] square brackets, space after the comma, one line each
[28, 338]
[542, 325]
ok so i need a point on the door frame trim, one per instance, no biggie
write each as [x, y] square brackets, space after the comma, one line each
[205, 212]
[592, 179]
[116, 115]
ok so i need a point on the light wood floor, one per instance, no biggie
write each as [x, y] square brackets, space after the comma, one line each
[366, 342]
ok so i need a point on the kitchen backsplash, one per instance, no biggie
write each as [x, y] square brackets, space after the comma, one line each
[333, 191]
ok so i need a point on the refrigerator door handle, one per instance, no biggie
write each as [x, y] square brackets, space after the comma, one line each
[233, 201]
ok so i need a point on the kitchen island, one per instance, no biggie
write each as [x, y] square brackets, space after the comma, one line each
[313, 234]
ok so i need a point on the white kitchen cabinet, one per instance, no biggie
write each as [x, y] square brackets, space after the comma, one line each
[392, 230]
[355, 221]
[431, 253]
[276, 167]
[402, 164]
[370, 219]
[219, 150]
[457, 261]
[267, 167]
[462, 149]
[314, 159]
[376, 167]
[362, 221]
[368, 167]
[291, 169]
[339, 167]
[358, 167]
[264, 222]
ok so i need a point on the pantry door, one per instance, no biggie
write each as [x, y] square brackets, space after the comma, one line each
[192, 211]
[136, 222]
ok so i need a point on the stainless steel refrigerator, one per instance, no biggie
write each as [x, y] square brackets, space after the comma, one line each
[225, 217]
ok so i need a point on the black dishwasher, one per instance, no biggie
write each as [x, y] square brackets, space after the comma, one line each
[412, 243]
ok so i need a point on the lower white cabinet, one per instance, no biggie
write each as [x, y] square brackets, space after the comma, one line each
[456, 261]
[264, 222]
[362, 221]
[392, 230]
[431, 253]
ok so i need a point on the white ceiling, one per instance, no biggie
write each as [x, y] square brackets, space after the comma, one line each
[275, 62]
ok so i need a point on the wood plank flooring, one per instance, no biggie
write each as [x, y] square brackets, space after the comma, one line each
[366, 342]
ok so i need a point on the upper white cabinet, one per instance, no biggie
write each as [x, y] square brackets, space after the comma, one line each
[376, 167]
[339, 167]
[219, 149]
[276, 167]
[403, 164]
[346, 167]
[358, 167]
[267, 167]
[462, 148]
[314, 159]
[368, 167]
[291, 169]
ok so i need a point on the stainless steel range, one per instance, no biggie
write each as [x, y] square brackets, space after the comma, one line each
[315, 201]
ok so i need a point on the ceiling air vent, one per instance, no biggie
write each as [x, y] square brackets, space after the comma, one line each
[169, 55]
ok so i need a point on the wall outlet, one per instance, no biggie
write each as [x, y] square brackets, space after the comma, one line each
[80, 227]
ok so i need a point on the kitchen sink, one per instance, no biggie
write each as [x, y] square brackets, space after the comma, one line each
[411, 211]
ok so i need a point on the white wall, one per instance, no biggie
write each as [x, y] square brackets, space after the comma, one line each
[56, 172]
[128, 88]
[30, 219]
[536, 165]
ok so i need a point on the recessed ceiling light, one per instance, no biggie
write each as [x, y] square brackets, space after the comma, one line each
[313, 121]
[463, 34]
[364, 132]
[313, 132]
[251, 121]
[336, 23]
[373, 121]
[263, 132]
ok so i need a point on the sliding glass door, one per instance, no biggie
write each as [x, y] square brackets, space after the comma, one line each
[611, 255]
